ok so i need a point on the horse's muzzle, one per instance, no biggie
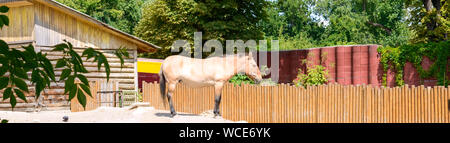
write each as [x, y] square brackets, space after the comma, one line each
[258, 81]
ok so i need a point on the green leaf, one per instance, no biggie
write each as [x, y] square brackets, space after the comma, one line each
[7, 93]
[45, 78]
[107, 70]
[99, 62]
[86, 89]
[65, 73]
[76, 56]
[3, 70]
[39, 87]
[3, 82]
[81, 98]
[30, 49]
[121, 59]
[35, 76]
[20, 95]
[72, 92]
[83, 79]
[70, 45]
[20, 84]
[48, 67]
[4, 9]
[69, 83]
[60, 47]
[12, 100]
[20, 73]
[4, 48]
[89, 52]
[60, 63]
[4, 19]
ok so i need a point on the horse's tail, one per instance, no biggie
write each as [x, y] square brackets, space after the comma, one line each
[162, 85]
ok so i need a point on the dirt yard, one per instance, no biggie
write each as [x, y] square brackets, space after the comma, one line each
[110, 115]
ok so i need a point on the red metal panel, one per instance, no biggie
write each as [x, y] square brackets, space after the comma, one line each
[356, 65]
[330, 62]
[375, 70]
[410, 74]
[360, 64]
[344, 65]
[390, 78]
[364, 64]
[147, 77]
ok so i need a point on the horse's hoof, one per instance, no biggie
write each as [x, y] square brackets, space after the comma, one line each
[173, 114]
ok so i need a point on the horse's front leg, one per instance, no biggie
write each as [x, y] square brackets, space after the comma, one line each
[169, 98]
[218, 96]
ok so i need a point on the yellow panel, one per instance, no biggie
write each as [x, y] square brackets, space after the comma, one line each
[148, 67]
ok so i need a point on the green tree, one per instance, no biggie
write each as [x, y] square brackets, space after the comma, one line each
[290, 21]
[164, 22]
[429, 19]
[120, 14]
[364, 22]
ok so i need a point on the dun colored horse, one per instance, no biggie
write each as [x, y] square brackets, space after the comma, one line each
[213, 71]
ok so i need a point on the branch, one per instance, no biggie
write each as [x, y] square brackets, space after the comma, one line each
[388, 30]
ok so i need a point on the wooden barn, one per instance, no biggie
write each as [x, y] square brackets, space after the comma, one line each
[45, 23]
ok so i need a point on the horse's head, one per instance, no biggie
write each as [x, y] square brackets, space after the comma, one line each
[252, 69]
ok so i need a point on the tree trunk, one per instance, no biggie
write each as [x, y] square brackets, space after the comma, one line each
[428, 5]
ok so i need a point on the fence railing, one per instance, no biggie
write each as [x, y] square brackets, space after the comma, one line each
[105, 94]
[315, 104]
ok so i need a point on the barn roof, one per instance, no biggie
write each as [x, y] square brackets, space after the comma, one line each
[143, 45]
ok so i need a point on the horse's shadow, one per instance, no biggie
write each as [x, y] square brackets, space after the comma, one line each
[170, 115]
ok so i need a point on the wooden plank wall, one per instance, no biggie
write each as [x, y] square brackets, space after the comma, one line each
[21, 24]
[315, 104]
[49, 27]
[54, 26]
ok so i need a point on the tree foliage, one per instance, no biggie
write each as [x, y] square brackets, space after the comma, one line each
[395, 58]
[164, 22]
[120, 14]
[429, 19]
[364, 22]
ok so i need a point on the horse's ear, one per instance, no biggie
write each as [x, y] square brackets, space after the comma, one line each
[250, 54]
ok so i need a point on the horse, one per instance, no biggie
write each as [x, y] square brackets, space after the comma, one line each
[212, 71]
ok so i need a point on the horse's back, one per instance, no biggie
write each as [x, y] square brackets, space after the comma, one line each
[194, 72]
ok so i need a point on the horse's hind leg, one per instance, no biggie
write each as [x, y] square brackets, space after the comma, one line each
[218, 97]
[169, 98]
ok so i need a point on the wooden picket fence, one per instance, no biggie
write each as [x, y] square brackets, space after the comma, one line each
[91, 102]
[315, 104]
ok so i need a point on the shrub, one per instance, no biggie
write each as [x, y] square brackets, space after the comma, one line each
[241, 78]
[314, 76]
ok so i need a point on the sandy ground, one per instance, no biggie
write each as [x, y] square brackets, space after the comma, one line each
[111, 115]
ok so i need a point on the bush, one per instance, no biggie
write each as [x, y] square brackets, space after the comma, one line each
[314, 76]
[395, 58]
[241, 78]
